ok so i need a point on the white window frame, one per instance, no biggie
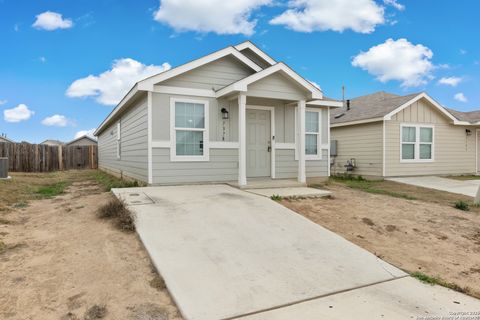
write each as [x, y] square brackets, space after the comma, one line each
[320, 147]
[173, 142]
[119, 141]
[417, 142]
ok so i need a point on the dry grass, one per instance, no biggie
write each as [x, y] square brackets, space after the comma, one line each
[116, 209]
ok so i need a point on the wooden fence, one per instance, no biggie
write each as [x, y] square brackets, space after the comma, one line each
[26, 157]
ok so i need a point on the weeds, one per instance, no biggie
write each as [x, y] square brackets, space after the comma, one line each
[461, 205]
[276, 197]
[438, 281]
[52, 190]
[108, 181]
[96, 312]
[6, 247]
[117, 210]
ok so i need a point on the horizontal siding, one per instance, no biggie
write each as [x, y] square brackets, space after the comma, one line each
[133, 162]
[214, 75]
[364, 143]
[317, 168]
[454, 152]
[277, 86]
[223, 166]
[285, 164]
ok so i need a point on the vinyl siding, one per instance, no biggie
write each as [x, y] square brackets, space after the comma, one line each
[454, 151]
[214, 75]
[285, 164]
[363, 142]
[223, 166]
[317, 168]
[83, 142]
[133, 162]
[277, 86]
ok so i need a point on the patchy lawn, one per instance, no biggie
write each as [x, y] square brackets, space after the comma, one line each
[426, 236]
[59, 260]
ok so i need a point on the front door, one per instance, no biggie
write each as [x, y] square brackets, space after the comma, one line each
[258, 143]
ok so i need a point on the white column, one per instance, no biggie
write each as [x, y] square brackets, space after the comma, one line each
[242, 138]
[301, 141]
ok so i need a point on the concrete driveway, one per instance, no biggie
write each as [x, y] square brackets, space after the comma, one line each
[465, 187]
[226, 254]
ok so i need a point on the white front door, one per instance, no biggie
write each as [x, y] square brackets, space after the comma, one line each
[258, 143]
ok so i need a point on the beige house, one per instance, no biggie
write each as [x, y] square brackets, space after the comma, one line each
[82, 141]
[233, 115]
[389, 135]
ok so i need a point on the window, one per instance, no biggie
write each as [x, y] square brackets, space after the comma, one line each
[118, 141]
[312, 125]
[189, 130]
[416, 143]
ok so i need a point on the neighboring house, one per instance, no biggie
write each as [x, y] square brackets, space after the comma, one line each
[391, 135]
[4, 138]
[232, 115]
[84, 140]
[50, 142]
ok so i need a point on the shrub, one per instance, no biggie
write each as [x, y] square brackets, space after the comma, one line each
[462, 205]
[117, 210]
[276, 197]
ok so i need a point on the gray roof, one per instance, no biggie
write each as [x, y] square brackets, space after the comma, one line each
[470, 116]
[371, 106]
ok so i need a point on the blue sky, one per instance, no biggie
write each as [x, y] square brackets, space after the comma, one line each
[49, 48]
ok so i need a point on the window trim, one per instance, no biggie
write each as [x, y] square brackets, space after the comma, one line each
[206, 132]
[320, 146]
[317, 156]
[417, 142]
[119, 141]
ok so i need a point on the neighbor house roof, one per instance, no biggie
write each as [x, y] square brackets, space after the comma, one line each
[52, 142]
[470, 116]
[82, 137]
[5, 139]
[382, 105]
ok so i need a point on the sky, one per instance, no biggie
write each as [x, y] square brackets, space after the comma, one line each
[65, 64]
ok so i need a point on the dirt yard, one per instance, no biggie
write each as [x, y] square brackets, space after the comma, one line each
[414, 235]
[59, 261]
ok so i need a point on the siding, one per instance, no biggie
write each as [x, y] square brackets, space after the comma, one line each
[223, 166]
[214, 75]
[364, 143]
[287, 167]
[277, 86]
[83, 142]
[133, 162]
[317, 168]
[454, 151]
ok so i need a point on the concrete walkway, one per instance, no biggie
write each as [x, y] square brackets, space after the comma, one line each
[225, 253]
[465, 187]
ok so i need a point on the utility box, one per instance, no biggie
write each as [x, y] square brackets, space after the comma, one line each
[3, 168]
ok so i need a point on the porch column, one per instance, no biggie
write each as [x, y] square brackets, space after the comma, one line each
[242, 138]
[301, 141]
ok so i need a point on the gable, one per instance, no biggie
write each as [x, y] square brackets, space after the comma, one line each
[421, 111]
[277, 86]
[214, 75]
[255, 58]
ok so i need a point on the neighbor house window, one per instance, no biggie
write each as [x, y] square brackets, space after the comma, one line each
[190, 130]
[119, 141]
[416, 143]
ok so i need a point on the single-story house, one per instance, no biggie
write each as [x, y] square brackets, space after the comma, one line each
[84, 140]
[390, 135]
[51, 142]
[3, 138]
[232, 115]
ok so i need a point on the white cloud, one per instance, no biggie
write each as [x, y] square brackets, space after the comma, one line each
[17, 114]
[110, 86]
[219, 16]
[460, 97]
[397, 60]
[51, 21]
[2, 102]
[82, 133]
[337, 15]
[450, 81]
[395, 4]
[56, 120]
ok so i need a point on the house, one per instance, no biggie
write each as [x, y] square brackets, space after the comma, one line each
[51, 142]
[84, 140]
[391, 135]
[3, 138]
[233, 115]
